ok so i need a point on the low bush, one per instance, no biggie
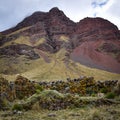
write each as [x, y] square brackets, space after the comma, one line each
[110, 95]
[39, 87]
[18, 107]
[104, 90]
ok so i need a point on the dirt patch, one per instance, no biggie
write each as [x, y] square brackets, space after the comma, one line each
[87, 54]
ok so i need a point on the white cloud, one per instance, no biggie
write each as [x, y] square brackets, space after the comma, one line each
[99, 3]
[13, 11]
[102, 7]
[76, 9]
[109, 11]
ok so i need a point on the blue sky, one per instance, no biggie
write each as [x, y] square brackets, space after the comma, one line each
[13, 11]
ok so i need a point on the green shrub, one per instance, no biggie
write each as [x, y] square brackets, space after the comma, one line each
[104, 90]
[18, 107]
[110, 95]
[38, 88]
[93, 94]
[37, 91]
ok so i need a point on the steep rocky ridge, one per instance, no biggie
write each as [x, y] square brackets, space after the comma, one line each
[98, 44]
[94, 42]
[97, 29]
[53, 17]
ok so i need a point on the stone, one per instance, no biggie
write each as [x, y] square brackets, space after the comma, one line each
[52, 115]
[19, 112]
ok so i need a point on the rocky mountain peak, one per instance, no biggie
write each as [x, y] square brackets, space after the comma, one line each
[96, 22]
[97, 28]
[54, 10]
[47, 17]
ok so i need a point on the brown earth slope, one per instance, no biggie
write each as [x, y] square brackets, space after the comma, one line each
[99, 44]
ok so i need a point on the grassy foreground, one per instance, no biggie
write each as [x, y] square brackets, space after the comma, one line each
[86, 113]
[50, 104]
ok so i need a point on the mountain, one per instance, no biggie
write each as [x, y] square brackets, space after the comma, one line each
[99, 44]
[48, 45]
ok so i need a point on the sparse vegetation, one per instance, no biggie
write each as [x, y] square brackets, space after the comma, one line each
[17, 107]
[111, 112]
[38, 88]
[71, 104]
[104, 90]
[64, 38]
[110, 95]
[56, 69]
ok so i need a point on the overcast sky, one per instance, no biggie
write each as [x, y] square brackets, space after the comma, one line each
[13, 11]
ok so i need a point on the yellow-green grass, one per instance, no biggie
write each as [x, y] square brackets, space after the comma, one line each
[20, 40]
[64, 38]
[39, 41]
[24, 40]
[57, 69]
[18, 31]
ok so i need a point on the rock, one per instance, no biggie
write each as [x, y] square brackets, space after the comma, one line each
[51, 115]
[74, 114]
[100, 95]
[14, 111]
[19, 112]
[67, 89]
[16, 50]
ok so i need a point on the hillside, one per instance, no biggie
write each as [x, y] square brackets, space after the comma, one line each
[49, 46]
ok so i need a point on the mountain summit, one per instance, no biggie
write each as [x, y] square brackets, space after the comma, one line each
[52, 41]
[46, 17]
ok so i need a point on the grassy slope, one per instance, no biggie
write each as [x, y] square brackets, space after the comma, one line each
[18, 31]
[56, 69]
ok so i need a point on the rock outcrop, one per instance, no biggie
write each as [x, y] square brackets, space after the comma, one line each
[97, 29]
[17, 50]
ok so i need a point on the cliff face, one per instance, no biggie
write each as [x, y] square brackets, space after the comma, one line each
[96, 29]
[99, 44]
[94, 42]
